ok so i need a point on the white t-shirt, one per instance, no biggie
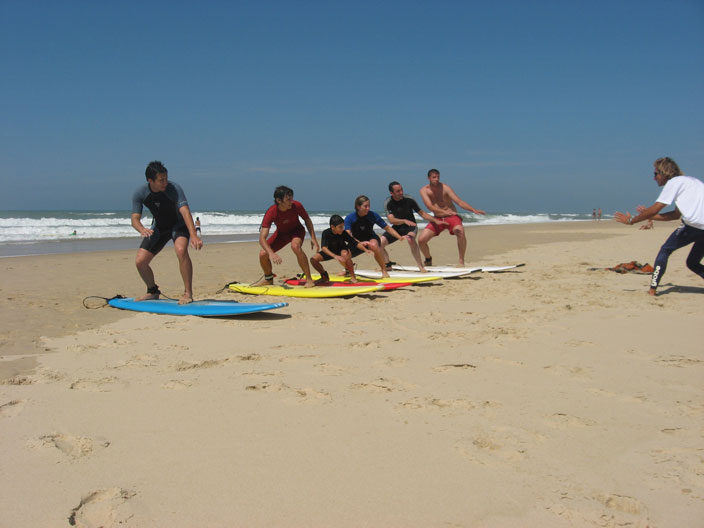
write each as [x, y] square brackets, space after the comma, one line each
[687, 193]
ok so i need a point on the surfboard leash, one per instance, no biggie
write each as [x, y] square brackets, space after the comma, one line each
[103, 304]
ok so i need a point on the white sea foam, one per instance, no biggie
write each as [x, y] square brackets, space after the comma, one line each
[40, 226]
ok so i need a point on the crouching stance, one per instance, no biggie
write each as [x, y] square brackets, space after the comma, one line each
[687, 194]
[172, 221]
[284, 215]
[338, 244]
[360, 225]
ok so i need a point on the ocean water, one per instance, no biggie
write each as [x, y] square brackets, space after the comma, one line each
[37, 232]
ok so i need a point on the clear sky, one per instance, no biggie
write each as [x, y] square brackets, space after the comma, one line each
[545, 106]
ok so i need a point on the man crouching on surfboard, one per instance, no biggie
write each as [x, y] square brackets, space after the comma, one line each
[172, 220]
[440, 200]
[284, 215]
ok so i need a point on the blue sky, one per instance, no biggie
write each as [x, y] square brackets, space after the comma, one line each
[522, 106]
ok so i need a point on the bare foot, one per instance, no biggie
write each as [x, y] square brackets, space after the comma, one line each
[353, 278]
[422, 269]
[384, 275]
[264, 282]
[461, 264]
[309, 283]
[147, 297]
[651, 291]
[187, 298]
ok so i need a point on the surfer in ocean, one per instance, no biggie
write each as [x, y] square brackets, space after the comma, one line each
[687, 194]
[440, 200]
[284, 214]
[172, 221]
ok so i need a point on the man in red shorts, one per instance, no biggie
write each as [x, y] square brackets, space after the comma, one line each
[284, 215]
[440, 199]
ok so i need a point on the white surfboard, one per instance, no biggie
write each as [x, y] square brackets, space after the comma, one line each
[437, 269]
[400, 275]
[450, 269]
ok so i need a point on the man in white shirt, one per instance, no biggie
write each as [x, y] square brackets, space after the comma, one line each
[687, 194]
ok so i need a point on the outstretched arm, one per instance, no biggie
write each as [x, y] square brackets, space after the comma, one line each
[650, 212]
[464, 205]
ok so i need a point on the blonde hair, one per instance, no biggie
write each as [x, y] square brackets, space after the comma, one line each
[667, 168]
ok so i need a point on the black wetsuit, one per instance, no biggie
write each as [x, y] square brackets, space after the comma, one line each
[402, 210]
[168, 224]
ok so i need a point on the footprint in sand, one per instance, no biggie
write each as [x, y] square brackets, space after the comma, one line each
[678, 361]
[106, 507]
[622, 503]
[249, 357]
[17, 380]
[96, 385]
[500, 445]
[384, 385]
[11, 408]
[308, 395]
[74, 447]
[331, 370]
[208, 363]
[395, 361]
[567, 420]
[454, 367]
[459, 404]
[299, 357]
[267, 387]
[177, 384]
[140, 361]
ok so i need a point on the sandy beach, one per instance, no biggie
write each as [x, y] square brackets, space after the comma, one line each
[550, 395]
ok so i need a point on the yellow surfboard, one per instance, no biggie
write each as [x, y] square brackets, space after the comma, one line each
[317, 292]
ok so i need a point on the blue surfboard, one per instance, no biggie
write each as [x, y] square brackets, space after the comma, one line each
[205, 308]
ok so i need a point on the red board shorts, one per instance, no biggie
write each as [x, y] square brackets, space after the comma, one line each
[279, 240]
[453, 220]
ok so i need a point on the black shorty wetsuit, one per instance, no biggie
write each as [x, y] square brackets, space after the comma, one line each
[168, 223]
[402, 210]
[336, 243]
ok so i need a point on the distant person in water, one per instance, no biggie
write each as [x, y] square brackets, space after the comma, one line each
[198, 225]
[400, 213]
[338, 244]
[284, 214]
[360, 225]
[172, 221]
[598, 214]
[687, 194]
[440, 200]
[74, 233]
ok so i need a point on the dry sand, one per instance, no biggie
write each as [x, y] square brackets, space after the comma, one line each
[548, 396]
